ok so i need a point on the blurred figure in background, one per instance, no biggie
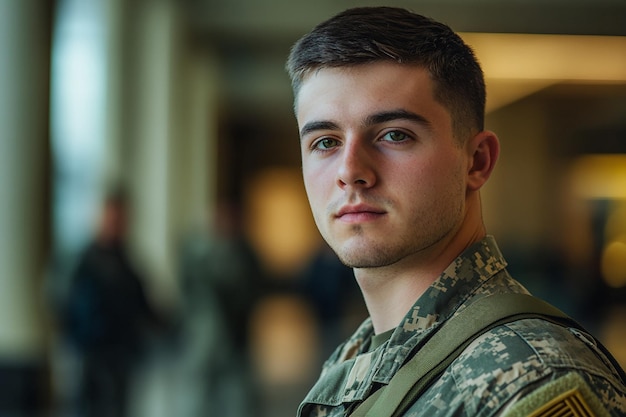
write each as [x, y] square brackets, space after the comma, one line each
[107, 315]
[329, 286]
[221, 281]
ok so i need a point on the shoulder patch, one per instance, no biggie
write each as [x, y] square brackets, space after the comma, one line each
[567, 396]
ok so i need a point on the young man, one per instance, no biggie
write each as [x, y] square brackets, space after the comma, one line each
[390, 107]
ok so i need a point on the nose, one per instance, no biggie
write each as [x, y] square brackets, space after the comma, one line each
[357, 167]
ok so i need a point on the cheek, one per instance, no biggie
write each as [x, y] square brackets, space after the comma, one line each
[317, 202]
[317, 174]
[314, 186]
[428, 178]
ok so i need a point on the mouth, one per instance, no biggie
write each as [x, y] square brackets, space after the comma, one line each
[359, 213]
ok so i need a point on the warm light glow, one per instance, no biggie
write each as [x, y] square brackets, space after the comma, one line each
[280, 221]
[599, 176]
[550, 57]
[283, 332]
[516, 65]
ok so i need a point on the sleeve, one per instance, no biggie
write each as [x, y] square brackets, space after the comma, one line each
[568, 395]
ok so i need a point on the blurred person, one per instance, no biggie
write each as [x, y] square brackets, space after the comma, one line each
[329, 287]
[221, 280]
[107, 315]
[390, 107]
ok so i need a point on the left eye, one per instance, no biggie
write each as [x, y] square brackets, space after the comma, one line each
[395, 136]
[326, 143]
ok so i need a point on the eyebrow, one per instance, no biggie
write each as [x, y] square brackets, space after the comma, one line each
[318, 125]
[371, 120]
[398, 114]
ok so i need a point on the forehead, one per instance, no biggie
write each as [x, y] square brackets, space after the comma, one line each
[360, 90]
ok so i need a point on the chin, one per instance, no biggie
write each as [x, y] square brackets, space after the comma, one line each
[359, 251]
[367, 259]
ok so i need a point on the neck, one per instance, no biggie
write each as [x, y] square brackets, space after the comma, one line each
[391, 291]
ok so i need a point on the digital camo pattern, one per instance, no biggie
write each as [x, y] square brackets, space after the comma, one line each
[492, 372]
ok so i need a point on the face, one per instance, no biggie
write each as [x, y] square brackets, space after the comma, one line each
[113, 223]
[385, 177]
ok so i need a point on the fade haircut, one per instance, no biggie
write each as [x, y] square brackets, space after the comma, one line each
[365, 35]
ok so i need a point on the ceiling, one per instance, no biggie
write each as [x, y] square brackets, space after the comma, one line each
[280, 19]
[252, 38]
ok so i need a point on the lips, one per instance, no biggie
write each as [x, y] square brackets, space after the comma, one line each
[359, 213]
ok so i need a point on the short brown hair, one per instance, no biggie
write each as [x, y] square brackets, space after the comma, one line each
[369, 34]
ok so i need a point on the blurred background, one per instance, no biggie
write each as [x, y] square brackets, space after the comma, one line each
[157, 254]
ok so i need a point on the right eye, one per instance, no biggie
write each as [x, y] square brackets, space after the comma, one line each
[325, 144]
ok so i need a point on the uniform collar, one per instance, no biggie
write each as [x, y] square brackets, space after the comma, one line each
[352, 371]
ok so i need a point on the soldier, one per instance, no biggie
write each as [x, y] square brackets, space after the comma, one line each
[390, 108]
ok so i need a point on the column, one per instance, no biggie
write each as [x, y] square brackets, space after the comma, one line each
[24, 195]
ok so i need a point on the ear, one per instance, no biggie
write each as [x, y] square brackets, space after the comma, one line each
[483, 150]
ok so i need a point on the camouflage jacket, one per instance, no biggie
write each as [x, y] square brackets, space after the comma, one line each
[499, 368]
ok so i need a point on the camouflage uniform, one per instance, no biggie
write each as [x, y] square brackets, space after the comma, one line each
[496, 370]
